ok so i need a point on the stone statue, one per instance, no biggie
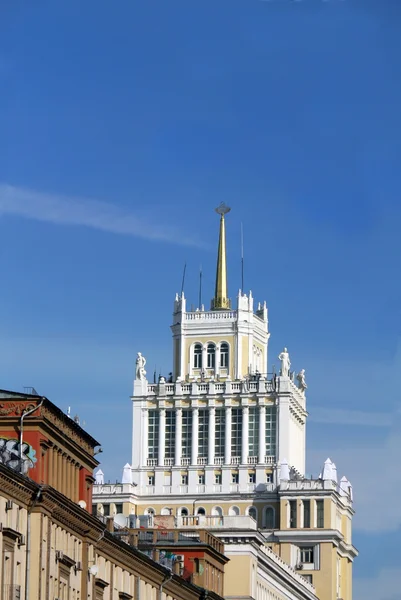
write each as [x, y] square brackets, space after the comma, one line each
[301, 380]
[140, 367]
[285, 363]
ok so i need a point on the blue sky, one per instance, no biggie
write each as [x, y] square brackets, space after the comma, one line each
[123, 125]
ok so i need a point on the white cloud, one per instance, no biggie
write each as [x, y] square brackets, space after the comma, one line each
[386, 586]
[103, 216]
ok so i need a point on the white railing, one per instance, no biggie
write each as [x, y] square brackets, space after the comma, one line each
[202, 460]
[203, 388]
[234, 487]
[183, 489]
[217, 488]
[235, 460]
[168, 462]
[200, 488]
[252, 460]
[151, 462]
[219, 460]
[216, 522]
[270, 460]
[211, 315]
[251, 487]
[185, 462]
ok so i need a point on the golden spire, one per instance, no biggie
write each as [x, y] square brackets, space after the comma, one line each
[220, 300]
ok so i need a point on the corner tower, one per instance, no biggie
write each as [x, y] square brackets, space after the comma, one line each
[222, 343]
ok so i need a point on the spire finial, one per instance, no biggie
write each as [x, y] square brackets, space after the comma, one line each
[220, 300]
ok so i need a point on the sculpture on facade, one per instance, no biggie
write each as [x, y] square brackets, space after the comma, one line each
[140, 367]
[284, 357]
[301, 380]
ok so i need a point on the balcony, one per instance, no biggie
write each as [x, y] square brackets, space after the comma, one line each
[235, 460]
[263, 386]
[169, 462]
[202, 460]
[185, 462]
[252, 460]
[270, 460]
[200, 488]
[219, 460]
[215, 522]
[151, 462]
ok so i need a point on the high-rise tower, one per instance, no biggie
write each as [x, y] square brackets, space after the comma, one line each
[223, 443]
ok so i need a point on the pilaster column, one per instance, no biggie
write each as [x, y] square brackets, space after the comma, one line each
[178, 436]
[245, 434]
[212, 433]
[195, 435]
[162, 436]
[49, 467]
[72, 480]
[145, 436]
[262, 434]
[228, 436]
[77, 491]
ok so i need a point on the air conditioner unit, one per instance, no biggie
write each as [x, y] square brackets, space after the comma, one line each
[9, 505]
[78, 566]
[22, 540]
[299, 566]
[179, 558]
[59, 555]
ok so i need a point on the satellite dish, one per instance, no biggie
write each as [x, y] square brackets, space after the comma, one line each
[94, 570]
[82, 504]
[120, 520]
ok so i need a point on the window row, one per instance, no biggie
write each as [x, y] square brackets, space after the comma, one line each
[211, 352]
[305, 514]
[268, 513]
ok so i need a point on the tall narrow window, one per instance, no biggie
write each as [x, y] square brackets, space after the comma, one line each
[170, 434]
[293, 514]
[203, 435]
[236, 432]
[153, 434]
[211, 356]
[320, 513]
[224, 355]
[306, 504]
[186, 433]
[271, 430]
[220, 429]
[269, 517]
[253, 449]
[198, 356]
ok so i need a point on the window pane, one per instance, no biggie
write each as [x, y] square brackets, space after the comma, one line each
[293, 514]
[198, 356]
[186, 433]
[319, 513]
[203, 435]
[224, 355]
[220, 437]
[211, 356]
[306, 504]
[253, 448]
[236, 432]
[170, 434]
[271, 429]
[153, 434]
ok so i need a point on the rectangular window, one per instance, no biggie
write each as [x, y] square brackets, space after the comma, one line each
[306, 504]
[170, 434]
[106, 510]
[293, 514]
[119, 509]
[153, 434]
[269, 477]
[271, 430]
[320, 513]
[184, 479]
[234, 478]
[307, 555]
[252, 477]
[186, 433]
[236, 432]
[201, 479]
[220, 437]
[203, 435]
[253, 448]
[151, 480]
[217, 478]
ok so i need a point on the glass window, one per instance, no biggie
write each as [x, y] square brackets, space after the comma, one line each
[307, 554]
[271, 430]
[252, 477]
[306, 504]
[269, 517]
[236, 432]
[106, 510]
[186, 433]
[253, 448]
[217, 478]
[170, 434]
[184, 480]
[203, 432]
[119, 509]
[269, 477]
[198, 356]
[224, 355]
[320, 513]
[252, 512]
[153, 433]
[234, 478]
[220, 429]
[201, 479]
[151, 480]
[293, 514]
[211, 356]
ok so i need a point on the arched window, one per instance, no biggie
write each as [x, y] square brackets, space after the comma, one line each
[198, 356]
[224, 355]
[201, 512]
[184, 512]
[252, 512]
[166, 511]
[217, 511]
[234, 511]
[269, 518]
[150, 512]
[211, 356]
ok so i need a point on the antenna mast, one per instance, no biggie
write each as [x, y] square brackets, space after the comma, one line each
[183, 278]
[200, 288]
